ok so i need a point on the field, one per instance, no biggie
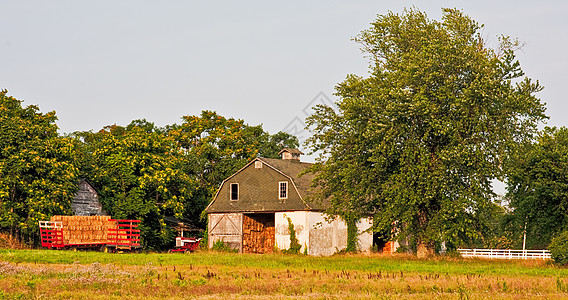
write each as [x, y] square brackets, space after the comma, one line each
[38, 274]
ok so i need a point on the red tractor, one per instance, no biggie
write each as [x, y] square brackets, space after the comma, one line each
[185, 244]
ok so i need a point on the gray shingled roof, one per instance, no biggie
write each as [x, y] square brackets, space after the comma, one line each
[259, 189]
[293, 168]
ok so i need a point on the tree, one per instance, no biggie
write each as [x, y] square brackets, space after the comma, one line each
[38, 177]
[417, 143]
[216, 147]
[138, 171]
[559, 249]
[538, 188]
[148, 173]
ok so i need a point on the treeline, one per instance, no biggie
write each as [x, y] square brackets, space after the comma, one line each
[415, 146]
[140, 171]
[534, 209]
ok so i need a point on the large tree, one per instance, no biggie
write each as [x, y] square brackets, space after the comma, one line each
[417, 143]
[217, 147]
[538, 189]
[148, 173]
[138, 173]
[38, 176]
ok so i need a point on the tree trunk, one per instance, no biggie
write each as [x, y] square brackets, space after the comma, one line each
[424, 249]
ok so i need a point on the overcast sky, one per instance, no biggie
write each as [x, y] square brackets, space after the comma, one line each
[104, 62]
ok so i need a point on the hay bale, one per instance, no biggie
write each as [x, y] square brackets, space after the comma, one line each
[84, 229]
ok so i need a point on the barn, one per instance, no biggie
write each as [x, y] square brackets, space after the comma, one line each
[86, 200]
[253, 209]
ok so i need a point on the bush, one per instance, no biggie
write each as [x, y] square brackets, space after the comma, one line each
[220, 246]
[9, 242]
[559, 249]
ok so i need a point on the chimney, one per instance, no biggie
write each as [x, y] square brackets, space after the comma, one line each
[290, 154]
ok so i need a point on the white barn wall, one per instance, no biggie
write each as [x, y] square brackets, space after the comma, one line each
[365, 238]
[320, 236]
[301, 226]
[327, 237]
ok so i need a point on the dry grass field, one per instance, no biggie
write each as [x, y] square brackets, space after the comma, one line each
[42, 274]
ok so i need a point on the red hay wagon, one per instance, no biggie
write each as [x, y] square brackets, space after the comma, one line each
[113, 236]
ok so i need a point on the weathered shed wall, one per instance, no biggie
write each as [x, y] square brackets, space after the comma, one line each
[226, 227]
[86, 201]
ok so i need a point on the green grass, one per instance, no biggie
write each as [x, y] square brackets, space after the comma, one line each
[32, 274]
[362, 263]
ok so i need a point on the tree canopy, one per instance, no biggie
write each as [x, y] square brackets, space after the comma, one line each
[417, 142]
[137, 171]
[538, 188]
[140, 171]
[149, 173]
[38, 175]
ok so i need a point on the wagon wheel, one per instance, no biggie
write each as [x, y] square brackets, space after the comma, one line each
[169, 251]
[109, 250]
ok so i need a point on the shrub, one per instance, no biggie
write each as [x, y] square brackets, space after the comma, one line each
[9, 242]
[559, 249]
[220, 246]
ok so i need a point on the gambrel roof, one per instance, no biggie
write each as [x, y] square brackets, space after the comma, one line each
[258, 188]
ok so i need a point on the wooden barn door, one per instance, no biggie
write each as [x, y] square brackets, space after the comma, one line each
[258, 233]
[226, 228]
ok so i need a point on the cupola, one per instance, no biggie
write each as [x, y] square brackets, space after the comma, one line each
[290, 154]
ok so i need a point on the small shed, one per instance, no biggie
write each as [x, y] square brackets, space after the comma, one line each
[253, 208]
[86, 201]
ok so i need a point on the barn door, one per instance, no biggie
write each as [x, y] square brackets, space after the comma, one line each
[258, 233]
[225, 228]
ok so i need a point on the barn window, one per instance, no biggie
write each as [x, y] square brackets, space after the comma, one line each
[258, 164]
[283, 190]
[234, 191]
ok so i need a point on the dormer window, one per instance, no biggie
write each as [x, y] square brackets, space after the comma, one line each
[283, 190]
[234, 192]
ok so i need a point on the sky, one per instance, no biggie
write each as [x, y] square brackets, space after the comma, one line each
[98, 63]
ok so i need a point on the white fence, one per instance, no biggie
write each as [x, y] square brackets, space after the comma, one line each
[505, 253]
